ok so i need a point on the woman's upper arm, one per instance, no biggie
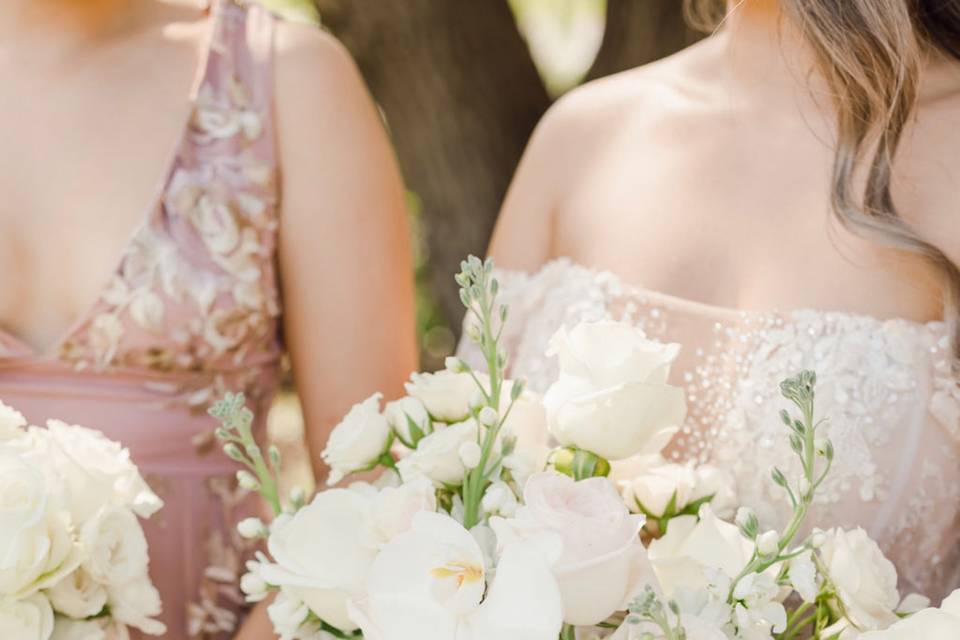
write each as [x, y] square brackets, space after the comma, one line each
[344, 246]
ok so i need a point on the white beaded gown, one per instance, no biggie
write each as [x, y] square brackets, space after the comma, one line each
[885, 385]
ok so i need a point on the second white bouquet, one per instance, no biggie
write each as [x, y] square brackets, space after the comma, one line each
[73, 556]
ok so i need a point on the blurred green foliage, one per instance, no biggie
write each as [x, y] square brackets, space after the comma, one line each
[559, 32]
[295, 10]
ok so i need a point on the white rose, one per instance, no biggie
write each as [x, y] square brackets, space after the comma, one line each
[400, 413]
[115, 547]
[36, 545]
[69, 629]
[866, 582]
[445, 395]
[96, 471]
[395, 507]
[322, 554]
[928, 624]
[600, 538]
[12, 423]
[612, 395]
[135, 604]
[655, 489]
[358, 441]
[437, 456]
[287, 614]
[692, 549]
[78, 595]
[29, 619]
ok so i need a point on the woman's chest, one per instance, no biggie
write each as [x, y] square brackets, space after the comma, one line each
[734, 223]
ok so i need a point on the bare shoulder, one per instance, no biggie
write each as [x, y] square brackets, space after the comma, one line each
[571, 137]
[645, 94]
[311, 56]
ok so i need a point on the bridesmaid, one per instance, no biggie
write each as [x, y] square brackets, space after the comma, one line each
[191, 193]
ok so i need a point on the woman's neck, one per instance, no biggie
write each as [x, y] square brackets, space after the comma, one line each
[68, 24]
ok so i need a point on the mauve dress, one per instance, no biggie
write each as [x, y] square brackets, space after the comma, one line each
[190, 312]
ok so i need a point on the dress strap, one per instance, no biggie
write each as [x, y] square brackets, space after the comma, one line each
[241, 57]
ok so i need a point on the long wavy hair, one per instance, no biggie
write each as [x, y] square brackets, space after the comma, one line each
[871, 54]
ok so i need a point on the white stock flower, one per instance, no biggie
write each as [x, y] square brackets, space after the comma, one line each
[287, 614]
[321, 555]
[928, 624]
[36, 545]
[760, 612]
[430, 584]
[527, 423]
[135, 604]
[358, 441]
[803, 576]
[96, 471]
[601, 546]
[251, 528]
[115, 547]
[12, 423]
[499, 499]
[446, 395]
[437, 456]
[252, 584]
[692, 549]
[768, 543]
[70, 629]
[470, 454]
[400, 413]
[27, 619]
[866, 582]
[78, 595]
[612, 395]
[654, 490]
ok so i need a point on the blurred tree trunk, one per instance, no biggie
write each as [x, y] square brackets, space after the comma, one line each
[461, 96]
[641, 31]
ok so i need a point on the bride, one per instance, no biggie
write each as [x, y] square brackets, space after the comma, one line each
[782, 195]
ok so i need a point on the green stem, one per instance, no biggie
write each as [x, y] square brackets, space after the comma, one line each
[798, 626]
[569, 632]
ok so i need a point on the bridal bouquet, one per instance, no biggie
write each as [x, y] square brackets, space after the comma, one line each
[73, 558]
[505, 516]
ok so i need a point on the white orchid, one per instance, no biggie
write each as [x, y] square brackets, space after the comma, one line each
[431, 584]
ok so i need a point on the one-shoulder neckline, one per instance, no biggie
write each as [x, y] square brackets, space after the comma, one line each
[707, 309]
[17, 346]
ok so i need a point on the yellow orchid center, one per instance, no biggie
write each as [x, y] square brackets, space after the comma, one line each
[463, 573]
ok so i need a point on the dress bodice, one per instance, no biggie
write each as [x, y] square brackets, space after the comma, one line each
[190, 311]
[194, 295]
[885, 386]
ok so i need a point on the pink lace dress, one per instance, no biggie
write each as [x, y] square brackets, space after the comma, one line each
[190, 311]
[885, 385]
